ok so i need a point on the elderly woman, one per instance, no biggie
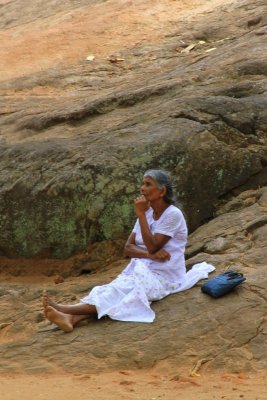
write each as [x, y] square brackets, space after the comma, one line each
[157, 267]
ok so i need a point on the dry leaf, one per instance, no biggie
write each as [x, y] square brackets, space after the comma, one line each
[188, 48]
[90, 57]
[213, 48]
[116, 59]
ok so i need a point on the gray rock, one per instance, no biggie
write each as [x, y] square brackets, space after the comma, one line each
[71, 165]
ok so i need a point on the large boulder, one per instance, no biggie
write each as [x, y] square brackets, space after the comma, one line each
[72, 161]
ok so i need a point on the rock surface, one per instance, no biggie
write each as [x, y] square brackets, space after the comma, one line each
[75, 140]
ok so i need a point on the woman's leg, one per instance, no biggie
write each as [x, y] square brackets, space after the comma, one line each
[73, 309]
[66, 322]
[66, 316]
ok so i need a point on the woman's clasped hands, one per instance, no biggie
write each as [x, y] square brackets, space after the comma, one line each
[160, 255]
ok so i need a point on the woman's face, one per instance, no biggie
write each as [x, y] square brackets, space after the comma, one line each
[150, 190]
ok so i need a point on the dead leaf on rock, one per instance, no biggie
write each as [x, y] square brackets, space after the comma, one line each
[115, 60]
[212, 49]
[90, 57]
[189, 48]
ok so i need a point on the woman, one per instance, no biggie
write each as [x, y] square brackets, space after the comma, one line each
[157, 268]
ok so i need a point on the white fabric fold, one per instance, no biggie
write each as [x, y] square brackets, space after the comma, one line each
[128, 297]
[199, 271]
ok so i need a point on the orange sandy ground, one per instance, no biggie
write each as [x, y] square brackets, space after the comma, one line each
[141, 385]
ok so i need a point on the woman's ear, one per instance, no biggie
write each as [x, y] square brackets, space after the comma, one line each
[163, 191]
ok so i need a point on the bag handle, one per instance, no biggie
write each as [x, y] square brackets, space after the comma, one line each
[233, 274]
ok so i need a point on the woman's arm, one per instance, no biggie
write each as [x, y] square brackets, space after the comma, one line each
[134, 251]
[152, 242]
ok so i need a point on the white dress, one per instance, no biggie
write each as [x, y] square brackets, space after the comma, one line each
[128, 297]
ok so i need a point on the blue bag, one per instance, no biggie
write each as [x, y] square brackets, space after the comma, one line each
[222, 284]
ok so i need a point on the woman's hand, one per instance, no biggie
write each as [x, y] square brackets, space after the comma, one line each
[141, 205]
[161, 255]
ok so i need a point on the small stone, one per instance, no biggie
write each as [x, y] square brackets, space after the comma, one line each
[261, 31]
[39, 317]
[254, 21]
[58, 279]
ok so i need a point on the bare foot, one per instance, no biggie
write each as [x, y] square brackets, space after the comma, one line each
[48, 302]
[63, 321]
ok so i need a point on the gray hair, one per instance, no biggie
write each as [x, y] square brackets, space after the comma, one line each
[162, 179]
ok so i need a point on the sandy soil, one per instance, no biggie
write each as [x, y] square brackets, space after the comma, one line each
[145, 385]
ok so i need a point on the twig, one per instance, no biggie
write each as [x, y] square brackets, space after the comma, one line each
[194, 371]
